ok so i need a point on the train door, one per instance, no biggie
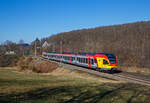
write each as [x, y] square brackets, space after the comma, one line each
[89, 63]
[99, 62]
[70, 59]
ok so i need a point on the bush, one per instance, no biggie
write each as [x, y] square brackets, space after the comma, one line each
[24, 63]
[8, 60]
[45, 67]
[28, 63]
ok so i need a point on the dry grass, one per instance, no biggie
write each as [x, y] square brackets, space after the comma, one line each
[65, 86]
[136, 70]
[78, 74]
[9, 68]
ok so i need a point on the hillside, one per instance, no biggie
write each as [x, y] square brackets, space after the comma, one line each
[129, 42]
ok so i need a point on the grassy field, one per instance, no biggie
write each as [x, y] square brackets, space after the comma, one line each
[67, 87]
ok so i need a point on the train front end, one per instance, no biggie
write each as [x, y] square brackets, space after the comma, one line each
[107, 62]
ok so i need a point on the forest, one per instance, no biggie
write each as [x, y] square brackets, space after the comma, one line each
[129, 42]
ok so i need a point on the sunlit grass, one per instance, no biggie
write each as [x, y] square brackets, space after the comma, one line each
[16, 87]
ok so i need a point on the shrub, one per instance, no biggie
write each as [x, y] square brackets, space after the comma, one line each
[24, 62]
[28, 63]
[8, 60]
[45, 66]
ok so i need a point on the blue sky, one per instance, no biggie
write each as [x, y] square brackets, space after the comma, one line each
[28, 19]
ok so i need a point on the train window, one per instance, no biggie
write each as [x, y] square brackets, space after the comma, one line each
[92, 61]
[86, 60]
[105, 62]
[82, 60]
[95, 60]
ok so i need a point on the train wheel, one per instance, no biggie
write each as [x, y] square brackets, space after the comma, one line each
[111, 71]
[99, 69]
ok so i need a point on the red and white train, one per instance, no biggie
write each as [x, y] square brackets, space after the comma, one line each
[100, 61]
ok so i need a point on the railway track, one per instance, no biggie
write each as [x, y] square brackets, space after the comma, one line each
[133, 78]
[122, 76]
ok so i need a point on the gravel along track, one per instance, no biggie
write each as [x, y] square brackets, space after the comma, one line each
[122, 76]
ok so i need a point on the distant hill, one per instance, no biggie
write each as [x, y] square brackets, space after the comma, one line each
[129, 42]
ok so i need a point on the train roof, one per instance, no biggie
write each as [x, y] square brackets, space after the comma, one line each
[92, 54]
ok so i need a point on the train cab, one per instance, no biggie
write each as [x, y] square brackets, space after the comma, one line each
[106, 61]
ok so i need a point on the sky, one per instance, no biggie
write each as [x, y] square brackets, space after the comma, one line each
[30, 19]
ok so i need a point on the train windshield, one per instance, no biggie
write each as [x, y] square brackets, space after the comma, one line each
[111, 58]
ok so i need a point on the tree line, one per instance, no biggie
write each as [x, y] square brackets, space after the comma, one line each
[129, 42]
